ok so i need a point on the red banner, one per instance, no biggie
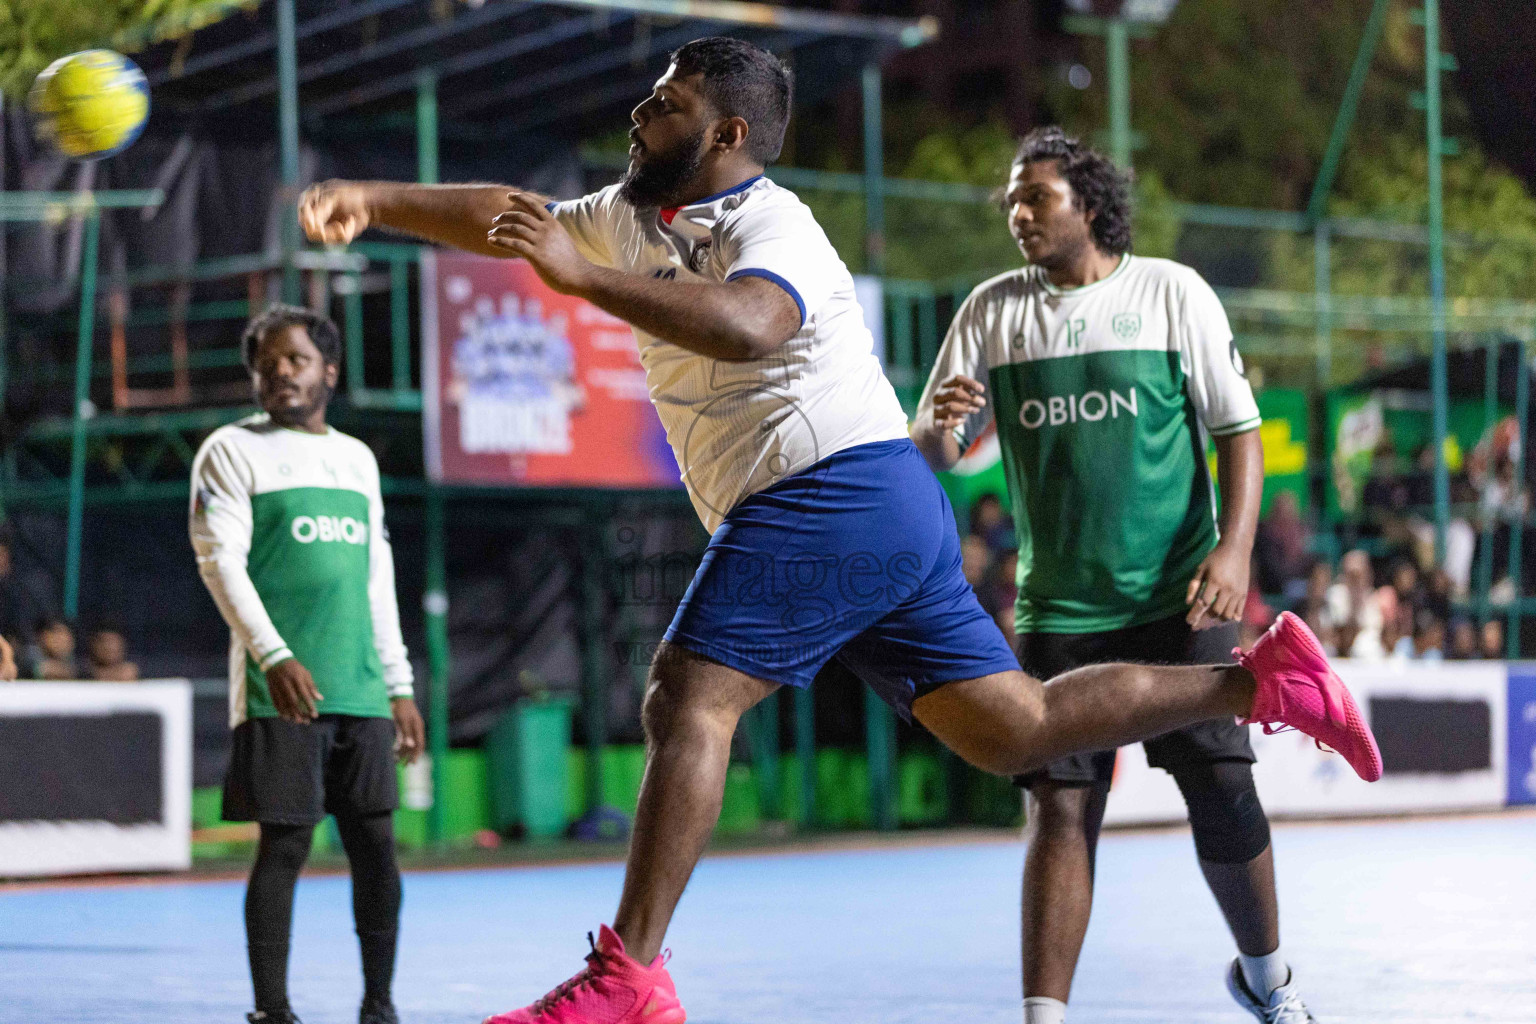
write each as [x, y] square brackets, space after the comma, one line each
[524, 386]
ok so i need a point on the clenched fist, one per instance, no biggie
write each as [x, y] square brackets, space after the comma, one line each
[334, 212]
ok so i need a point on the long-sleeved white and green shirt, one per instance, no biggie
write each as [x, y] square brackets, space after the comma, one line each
[289, 533]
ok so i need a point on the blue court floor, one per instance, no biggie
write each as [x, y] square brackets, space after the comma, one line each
[1403, 922]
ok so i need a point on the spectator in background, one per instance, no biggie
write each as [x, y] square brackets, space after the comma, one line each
[53, 653]
[1355, 609]
[991, 523]
[1002, 593]
[1502, 497]
[1395, 643]
[1502, 501]
[975, 558]
[1437, 596]
[1505, 500]
[9, 630]
[12, 605]
[107, 653]
[1491, 638]
[1314, 609]
[1384, 499]
[1257, 616]
[1408, 598]
[21, 597]
[1429, 637]
[9, 627]
[1460, 536]
[1281, 549]
[1463, 642]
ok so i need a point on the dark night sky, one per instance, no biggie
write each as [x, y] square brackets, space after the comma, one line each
[1494, 41]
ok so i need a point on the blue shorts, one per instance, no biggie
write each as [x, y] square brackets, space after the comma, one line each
[856, 556]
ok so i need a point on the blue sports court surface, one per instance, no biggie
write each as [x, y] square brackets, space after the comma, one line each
[1408, 922]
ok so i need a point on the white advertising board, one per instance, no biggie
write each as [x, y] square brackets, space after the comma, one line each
[95, 777]
[1295, 778]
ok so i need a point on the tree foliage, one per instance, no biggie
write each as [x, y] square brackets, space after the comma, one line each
[36, 32]
[1490, 220]
[944, 241]
[1237, 101]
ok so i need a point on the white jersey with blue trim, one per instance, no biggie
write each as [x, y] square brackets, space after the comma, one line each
[737, 427]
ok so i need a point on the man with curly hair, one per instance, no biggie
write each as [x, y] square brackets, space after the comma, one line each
[1107, 372]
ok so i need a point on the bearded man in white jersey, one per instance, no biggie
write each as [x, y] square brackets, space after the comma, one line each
[829, 534]
[1106, 372]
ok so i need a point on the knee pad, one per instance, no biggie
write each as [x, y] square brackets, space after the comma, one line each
[1228, 821]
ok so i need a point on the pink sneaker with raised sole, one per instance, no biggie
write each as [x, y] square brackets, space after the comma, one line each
[1297, 688]
[614, 988]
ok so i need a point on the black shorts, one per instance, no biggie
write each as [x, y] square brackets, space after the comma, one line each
[1167, 641]
[283, 773]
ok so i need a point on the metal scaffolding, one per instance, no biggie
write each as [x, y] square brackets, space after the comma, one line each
[566, 67]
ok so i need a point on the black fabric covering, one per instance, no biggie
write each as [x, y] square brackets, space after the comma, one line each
[1228, 822]
[81, 768]
[280, 856]
[1432, 735]
[370, 846]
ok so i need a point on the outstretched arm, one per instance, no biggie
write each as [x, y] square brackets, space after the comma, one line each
[336, 212]
[746, 318]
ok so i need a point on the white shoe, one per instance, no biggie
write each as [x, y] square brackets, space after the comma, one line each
[1283, 1007]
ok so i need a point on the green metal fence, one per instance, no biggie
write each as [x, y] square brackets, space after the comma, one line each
[1299, 294]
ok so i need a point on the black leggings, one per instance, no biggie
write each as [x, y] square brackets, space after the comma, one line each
[280, 856]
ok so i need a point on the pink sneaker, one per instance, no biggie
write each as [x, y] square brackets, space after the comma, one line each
[1297, 688]
[613, 988]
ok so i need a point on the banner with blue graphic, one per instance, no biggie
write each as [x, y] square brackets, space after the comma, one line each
[1522, 734]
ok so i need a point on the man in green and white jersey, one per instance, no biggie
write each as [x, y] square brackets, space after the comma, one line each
[1105, 374]
[288, 525]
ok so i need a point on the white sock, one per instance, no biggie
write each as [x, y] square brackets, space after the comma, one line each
[1044, 1010]
[1264, 974]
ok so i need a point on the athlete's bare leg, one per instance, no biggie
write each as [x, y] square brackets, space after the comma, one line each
[1246, 894]
[1063, 833]
[1010, 723]
[1006, 723]
[691, 709]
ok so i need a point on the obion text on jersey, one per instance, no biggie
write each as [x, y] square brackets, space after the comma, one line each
[329, 529]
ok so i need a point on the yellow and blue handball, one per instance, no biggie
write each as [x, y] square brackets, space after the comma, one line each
[90, 104]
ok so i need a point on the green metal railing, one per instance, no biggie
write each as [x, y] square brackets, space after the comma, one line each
[48, 206]
[1308, 332]
[1274, 325]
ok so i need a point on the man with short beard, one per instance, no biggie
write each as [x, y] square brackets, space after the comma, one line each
[830, 536]
[288, 525]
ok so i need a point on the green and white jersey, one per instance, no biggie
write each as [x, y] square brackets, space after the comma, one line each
[289, 532]
[1103, 396]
